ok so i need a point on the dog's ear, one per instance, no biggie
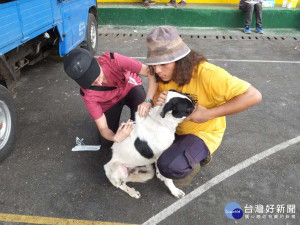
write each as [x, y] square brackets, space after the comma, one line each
[167, 107]
[180, 107]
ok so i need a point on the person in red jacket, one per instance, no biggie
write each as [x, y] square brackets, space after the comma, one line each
[106, 85]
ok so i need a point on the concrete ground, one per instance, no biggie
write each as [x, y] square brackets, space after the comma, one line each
[44, 182]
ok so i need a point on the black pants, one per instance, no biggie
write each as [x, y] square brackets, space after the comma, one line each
[179, 159]
[134, 97]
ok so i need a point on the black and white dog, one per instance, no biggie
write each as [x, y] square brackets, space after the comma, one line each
[151, 136]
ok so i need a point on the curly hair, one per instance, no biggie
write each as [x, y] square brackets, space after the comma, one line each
[184, 68]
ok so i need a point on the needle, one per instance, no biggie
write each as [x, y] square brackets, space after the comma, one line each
[133, 122]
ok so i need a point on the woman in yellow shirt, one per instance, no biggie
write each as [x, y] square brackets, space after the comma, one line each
[216, 92]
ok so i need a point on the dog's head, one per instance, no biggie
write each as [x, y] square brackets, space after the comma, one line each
[179, 105]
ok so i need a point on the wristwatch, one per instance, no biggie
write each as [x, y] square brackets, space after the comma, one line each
[149, 100]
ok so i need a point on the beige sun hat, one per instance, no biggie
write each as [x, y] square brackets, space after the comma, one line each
[165, 46]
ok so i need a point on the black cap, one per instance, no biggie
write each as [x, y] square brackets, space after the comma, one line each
[81, 66]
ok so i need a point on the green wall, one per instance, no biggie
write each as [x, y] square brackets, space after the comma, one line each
[136, 15]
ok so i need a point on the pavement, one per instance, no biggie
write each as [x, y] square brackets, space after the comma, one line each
[256, 166]
[285, 32]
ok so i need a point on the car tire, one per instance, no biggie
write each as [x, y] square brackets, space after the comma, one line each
[8, 118]
[91, 35]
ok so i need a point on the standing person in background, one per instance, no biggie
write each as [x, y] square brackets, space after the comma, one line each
[147, 3]
[181, 4]
[249, 6]
[106, 85]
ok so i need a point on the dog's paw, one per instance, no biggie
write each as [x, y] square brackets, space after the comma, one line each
[178, 193]
[159, 176]
[133, 193]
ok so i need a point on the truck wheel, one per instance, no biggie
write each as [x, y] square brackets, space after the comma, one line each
[8, 118]
[91, 35]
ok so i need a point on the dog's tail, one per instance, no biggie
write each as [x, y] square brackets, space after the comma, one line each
[141, 174]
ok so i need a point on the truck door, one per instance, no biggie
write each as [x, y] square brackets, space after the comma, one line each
[74, 14]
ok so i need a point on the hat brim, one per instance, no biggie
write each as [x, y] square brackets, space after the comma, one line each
[159, 62]
[90, 75]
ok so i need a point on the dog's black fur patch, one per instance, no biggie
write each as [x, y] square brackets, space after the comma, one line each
[143, 148]
[180, 107]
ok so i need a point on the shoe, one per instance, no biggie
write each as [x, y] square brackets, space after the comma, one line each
[259, 30]
[181, 4]
[171, 3]
[146, 3]
[206, 161]
[152, 2]
[247, 30]
[186, 181]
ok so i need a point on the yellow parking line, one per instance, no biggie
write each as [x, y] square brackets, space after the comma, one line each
[50, 220]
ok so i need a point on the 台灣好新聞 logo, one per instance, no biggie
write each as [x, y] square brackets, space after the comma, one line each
[233, 211]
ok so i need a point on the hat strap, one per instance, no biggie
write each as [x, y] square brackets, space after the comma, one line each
[101, 88]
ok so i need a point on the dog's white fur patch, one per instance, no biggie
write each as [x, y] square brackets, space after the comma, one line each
[174, 94]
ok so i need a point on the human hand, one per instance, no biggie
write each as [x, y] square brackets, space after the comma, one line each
[144, 109]
[200, 115]
[161, 98]
[123, 131]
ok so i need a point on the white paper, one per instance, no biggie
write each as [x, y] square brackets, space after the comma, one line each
[78, 148]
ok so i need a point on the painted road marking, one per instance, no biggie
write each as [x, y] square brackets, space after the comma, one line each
[50, 220]
[255, 61]
[242, 60]
[216, 180]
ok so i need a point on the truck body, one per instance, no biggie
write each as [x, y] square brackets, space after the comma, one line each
[30, 30]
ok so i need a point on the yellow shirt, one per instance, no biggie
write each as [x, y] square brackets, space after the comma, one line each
[210, 86]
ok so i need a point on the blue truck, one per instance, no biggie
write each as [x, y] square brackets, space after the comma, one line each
[30, 30]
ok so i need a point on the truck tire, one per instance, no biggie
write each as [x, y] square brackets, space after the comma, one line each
[91, 35]
[8, 118]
